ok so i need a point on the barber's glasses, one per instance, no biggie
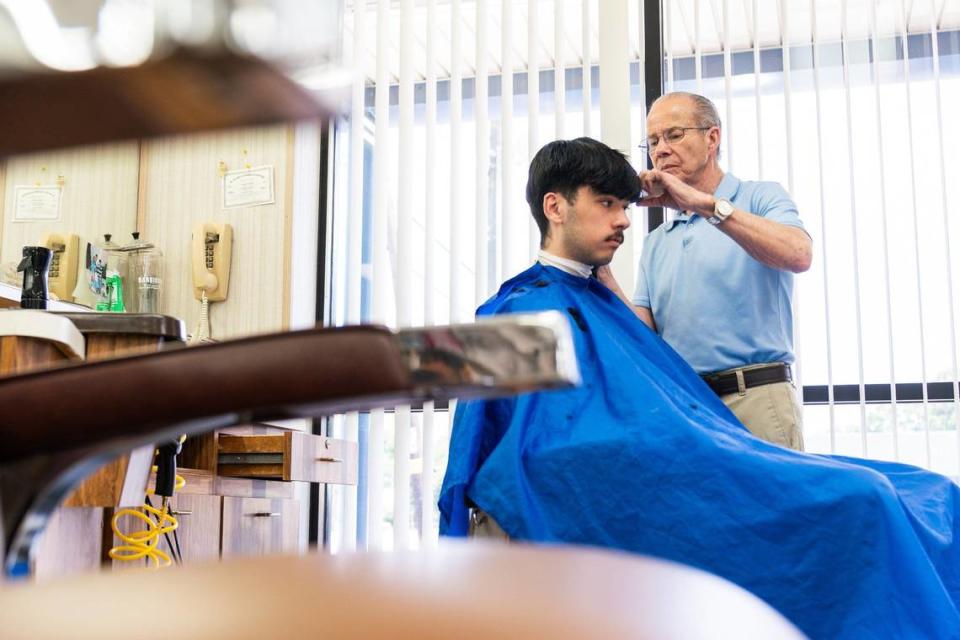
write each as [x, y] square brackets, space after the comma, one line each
[671, 136]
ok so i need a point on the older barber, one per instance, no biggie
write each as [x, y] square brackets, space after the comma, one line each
[716, 281]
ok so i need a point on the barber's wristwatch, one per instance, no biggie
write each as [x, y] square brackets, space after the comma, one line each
[721, 211]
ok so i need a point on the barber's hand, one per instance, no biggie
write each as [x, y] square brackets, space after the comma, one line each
[667, 190]
[605, 276]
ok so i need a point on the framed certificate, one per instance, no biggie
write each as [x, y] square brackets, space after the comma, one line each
[248, 187]
[31, 204]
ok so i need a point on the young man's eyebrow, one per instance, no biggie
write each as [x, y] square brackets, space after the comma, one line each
[612, 197]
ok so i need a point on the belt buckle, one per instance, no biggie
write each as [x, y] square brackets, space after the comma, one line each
[741, 383]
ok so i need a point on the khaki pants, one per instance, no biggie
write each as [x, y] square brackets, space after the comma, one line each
[483, 526]
[771, 412]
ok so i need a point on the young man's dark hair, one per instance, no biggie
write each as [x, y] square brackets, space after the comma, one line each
[563, 166]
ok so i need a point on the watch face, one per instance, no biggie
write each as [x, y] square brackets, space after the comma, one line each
[721, 211]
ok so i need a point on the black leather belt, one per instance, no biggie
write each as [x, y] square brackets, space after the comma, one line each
[726, 382]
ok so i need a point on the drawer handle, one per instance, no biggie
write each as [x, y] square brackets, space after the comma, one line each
[329, 459]
[184, 512]
[264, 514]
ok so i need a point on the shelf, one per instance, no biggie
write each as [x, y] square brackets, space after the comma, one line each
[10, 298]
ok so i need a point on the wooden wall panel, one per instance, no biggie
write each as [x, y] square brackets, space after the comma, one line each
[99, 194]
[182, 186]
[71, 543]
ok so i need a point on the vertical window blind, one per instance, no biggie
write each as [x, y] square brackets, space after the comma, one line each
[450, 101]
[841, 101]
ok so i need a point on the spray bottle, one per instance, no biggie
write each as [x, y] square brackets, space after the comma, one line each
[35, 264]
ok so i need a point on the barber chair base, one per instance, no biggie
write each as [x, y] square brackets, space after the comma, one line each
[460, 590]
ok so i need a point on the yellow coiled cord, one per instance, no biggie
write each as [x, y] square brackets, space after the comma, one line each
[146, 543]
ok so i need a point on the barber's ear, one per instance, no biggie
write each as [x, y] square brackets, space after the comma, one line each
[553, 207]
[714, 137]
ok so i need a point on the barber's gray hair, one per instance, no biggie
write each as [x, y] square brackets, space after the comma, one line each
[704, 110]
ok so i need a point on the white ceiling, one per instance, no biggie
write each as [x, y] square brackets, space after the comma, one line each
[72, 35]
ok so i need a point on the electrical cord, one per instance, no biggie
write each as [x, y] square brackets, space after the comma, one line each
[176, 540]
[146, 542]
[174, 551]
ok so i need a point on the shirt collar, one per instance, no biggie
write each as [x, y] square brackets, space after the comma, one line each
[728, 187]
[727, 190]
[675, 217]
[566, 265]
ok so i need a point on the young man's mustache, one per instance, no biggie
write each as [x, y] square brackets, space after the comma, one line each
[617, 236]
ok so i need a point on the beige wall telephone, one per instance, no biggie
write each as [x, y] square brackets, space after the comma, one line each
[62, 278]
[210, 255]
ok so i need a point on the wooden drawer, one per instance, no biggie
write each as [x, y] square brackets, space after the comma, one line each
[199, 526]
[257, 526]
[288, 456]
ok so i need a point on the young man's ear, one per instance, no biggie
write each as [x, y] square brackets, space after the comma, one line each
[552, 207]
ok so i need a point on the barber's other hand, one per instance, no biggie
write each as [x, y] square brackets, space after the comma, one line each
[605, 275]
[667, 190]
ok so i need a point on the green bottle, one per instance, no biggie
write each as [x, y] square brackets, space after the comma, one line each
[115, 291]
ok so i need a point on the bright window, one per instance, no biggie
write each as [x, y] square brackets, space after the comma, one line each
[443, 243]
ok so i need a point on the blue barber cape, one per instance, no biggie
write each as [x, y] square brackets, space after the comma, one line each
[643, 456]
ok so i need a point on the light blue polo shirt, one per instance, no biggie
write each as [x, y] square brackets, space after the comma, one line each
[713, 303]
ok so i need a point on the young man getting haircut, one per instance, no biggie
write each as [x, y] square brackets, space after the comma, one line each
[643, 456]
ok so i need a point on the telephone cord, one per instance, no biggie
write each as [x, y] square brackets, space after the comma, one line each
[202, 332]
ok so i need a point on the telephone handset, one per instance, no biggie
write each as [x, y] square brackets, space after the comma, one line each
[62, 278]
[210, 255]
